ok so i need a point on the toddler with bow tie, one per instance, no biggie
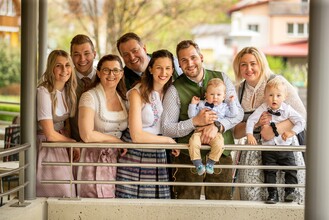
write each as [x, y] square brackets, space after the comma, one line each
[214, 101]
[275, 95]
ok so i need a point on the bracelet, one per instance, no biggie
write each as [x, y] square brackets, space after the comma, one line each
[274, 129]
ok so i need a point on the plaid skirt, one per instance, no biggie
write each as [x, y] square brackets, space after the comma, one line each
[150, 174]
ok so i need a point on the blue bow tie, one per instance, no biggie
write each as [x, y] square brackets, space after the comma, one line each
[274, 113]
[210, 105]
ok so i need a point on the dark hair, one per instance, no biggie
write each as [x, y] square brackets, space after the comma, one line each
[81, 39]
[121, 87]
[128, 36]
[147, 78]
[186, 44]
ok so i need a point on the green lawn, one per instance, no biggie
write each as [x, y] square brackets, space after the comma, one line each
[8, 107]
[6, 98]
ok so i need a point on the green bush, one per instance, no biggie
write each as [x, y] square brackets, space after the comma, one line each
[10, 67]
[296, 75]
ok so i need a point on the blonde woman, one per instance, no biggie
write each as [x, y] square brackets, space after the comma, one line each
[252, 72]
[56, 101]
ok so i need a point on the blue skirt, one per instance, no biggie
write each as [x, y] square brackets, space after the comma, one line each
[150, 174]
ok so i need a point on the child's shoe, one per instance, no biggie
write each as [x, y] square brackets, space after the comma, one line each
[289, 196]
[200, 170]
[210, 169]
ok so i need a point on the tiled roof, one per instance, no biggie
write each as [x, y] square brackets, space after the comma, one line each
[246, 3]
[294, 49]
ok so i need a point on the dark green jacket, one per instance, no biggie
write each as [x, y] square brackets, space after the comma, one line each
[186, 90]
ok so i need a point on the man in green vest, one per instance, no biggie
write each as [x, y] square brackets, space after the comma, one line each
[176, 123]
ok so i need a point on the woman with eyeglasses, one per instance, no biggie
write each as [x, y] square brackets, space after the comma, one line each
[102, 118]
[145, 109]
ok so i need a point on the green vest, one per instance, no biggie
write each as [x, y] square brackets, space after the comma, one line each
[186, 90]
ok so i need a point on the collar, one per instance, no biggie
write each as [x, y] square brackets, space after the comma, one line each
[280, 109]
[200, 84]
[140, 73]
[90, 75]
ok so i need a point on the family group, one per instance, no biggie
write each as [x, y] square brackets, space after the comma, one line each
[161, 98]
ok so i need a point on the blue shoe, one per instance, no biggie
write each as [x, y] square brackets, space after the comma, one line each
[200, 170]
[210, 169]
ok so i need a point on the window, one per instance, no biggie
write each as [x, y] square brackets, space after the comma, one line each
[300, 29]
[7, 8]
[297, 29]
[290, 28]
[253, 27]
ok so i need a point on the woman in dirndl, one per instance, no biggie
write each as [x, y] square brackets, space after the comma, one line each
[145, 109]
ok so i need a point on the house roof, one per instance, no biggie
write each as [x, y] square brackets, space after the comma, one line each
[212, 29]
[246, 3]
[293, 49]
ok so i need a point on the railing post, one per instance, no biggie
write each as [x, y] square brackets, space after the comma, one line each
[21, 180]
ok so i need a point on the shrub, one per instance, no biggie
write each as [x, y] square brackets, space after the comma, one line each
[10, 68]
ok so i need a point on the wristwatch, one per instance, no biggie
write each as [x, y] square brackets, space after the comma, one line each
[219, 126]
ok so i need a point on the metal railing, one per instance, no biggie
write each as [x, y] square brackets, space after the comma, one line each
[20, 171]
[169, 146]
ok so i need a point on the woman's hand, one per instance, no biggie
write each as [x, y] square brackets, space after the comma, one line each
[287, 134]
[251, 139]
[264, 119]
[76, 154]
[175, 152]
[123, 152]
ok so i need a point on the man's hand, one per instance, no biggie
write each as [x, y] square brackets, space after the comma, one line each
[205, 117]
[209, 132]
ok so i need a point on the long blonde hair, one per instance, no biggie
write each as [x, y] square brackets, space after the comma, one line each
[261, 60]
[48, 81]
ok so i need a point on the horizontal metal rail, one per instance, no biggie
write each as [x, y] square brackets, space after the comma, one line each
[9, 103]
[172, 165]
[14, 150]
[301, 148]
[170, 146]
[13, 171]
[13, 190]
[169, 183]
[9, 113]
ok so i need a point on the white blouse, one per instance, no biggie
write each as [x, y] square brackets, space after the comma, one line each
[44, 107]
[151, 112]
[253, 97]
[107, 122]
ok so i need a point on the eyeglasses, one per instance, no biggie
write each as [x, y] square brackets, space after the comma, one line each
[107, 71]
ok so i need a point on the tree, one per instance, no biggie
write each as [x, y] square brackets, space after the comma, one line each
[161, 23]
[10, 69]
